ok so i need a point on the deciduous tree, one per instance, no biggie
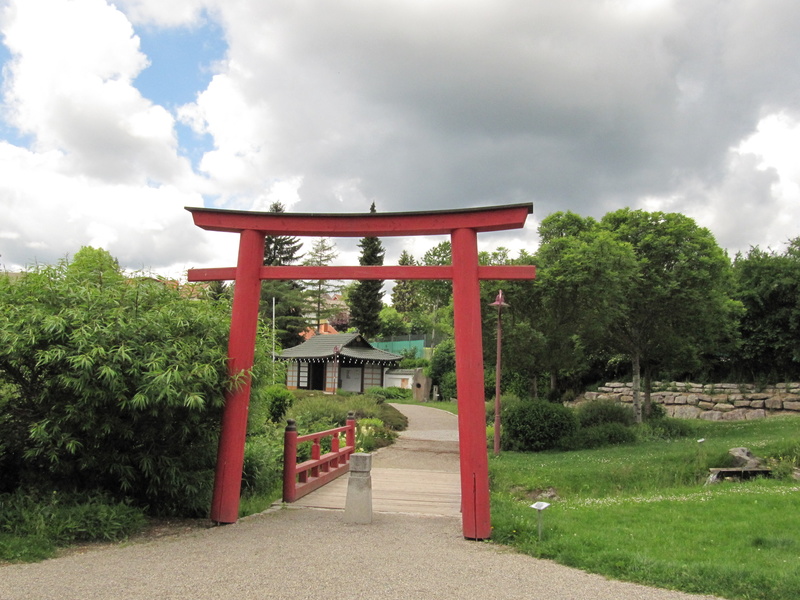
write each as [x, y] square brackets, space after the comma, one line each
[405, 295]
[678, 305]
[768, 286]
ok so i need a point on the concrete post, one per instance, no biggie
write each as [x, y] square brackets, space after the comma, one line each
[358, 506]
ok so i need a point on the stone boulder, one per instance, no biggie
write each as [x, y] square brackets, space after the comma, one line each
[744, 459]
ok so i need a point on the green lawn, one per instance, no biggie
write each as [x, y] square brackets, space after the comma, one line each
[641, 512]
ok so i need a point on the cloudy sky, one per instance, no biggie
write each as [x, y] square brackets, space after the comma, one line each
[115, 116]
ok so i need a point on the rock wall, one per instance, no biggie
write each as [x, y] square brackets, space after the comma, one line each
[714, 402]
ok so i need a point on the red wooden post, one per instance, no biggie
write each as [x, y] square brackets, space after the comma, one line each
[241, 352]
[476, 520]
[289, 461]
[350, 436]
[334, 462]
[315, 454]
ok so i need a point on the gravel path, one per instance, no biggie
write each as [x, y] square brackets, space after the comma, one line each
[307, 553]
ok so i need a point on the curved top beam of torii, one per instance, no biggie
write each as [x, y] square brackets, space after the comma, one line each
[465, 272]
[495, 218]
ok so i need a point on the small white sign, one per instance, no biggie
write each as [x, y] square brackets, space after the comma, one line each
[540, 505]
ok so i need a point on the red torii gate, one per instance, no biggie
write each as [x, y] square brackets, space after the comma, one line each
[465, 272]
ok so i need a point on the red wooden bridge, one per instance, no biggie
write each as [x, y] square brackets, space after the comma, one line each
[418, 474]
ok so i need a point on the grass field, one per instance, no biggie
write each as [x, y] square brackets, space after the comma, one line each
[642, 512]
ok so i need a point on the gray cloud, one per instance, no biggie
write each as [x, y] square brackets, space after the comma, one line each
[573, 105]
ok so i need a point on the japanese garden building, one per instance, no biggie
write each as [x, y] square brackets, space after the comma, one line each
[343, 361]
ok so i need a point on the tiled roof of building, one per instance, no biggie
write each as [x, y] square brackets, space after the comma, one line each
[350, 345]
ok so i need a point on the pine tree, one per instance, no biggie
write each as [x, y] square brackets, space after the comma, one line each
[366, 300]
[289, 296]
[281, 250]
[323, 253]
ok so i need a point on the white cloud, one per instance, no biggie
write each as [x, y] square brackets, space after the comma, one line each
[103, 167]
[142, 227]
[69, 85]
[172, 13]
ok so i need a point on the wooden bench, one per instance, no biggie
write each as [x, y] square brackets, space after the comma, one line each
[738, 473]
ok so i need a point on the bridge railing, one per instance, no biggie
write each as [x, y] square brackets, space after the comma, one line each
[302, 478]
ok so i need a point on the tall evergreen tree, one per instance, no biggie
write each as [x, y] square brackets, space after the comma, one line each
[280, 250]
[289, 296]
[366, 300]
[323, 252]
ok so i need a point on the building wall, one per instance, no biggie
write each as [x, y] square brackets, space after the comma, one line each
[373, 376]
[402, 381]
[352, 378]
[297, 376]
[292, 375]
[331, 377]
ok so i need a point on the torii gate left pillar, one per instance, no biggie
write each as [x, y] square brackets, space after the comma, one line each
[465, 272]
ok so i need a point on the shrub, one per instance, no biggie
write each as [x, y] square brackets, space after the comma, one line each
[414, 363]
[262, 472]
[600, 412]
[596, 436]
[60, 519]
[390, 393]
[667, 429]
[657, 411]
[443, 361]
[535, 425]
[118, 383]
[332, 410]
[280, 400]
[442, 369]
[372, 434]
[505, 399]
[447, 386]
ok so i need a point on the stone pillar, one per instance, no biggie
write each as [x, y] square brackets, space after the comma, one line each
[358, 507]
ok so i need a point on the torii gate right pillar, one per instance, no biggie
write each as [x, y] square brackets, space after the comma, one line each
[476, 518]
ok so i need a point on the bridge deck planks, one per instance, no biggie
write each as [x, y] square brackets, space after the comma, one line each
[397, 491]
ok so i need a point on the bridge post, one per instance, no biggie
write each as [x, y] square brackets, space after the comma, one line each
[289, 461]
[476, 520]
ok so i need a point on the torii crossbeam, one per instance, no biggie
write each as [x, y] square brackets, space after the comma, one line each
[465, 272]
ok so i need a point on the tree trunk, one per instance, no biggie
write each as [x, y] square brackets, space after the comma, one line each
[553, 381]
[648, 405]
[535, 385]
[637, 384]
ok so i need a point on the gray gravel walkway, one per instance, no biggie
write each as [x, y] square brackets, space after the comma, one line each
[307, 553]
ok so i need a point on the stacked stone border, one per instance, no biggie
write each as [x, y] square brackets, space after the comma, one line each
[712, 402]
